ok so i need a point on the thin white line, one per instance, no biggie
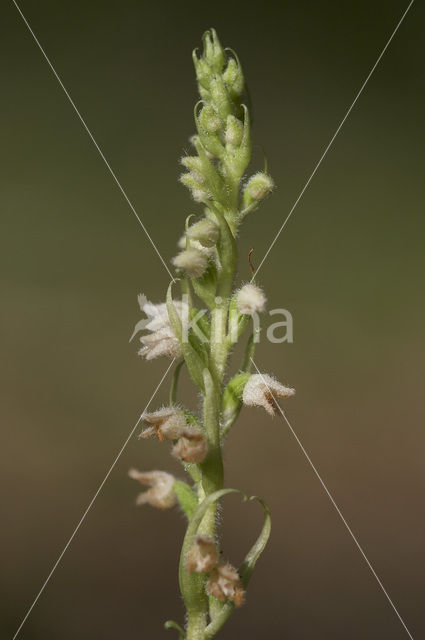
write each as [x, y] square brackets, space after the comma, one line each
[93, 140]
[334, 503]
[90, 504]
[332, 140]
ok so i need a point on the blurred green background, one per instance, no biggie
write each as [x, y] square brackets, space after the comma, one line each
[349, 266]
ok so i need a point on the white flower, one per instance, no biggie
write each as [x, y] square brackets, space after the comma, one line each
[250, 299]
[225, 584]
[192, 261]
[262, 390]
[162, 340]
[168, 422]
[161, 493]
[205, 232]
[203, 556]
[191, 446]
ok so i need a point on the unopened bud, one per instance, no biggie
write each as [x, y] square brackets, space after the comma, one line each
[195, 182]
[192, 261]
[258, 187]
[205, 232]
[213, 51]
[250, 299]
[233, 77]
[220, 97]
[209, 120]
[225, 584]
[234, 131]
[203, 556]
[161, 493]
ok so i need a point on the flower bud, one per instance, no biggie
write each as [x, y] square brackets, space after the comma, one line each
[225, 584]
[209, 120]
[205, 231]
[233, 77]
[258, 187]
[220, 97]
[193, 163]
[213, 51]
[203, 556]
[196, 183]
[262, 390]
[250, 299]
[192, 261]
[234, 131]
[203, 71]
[161, 493]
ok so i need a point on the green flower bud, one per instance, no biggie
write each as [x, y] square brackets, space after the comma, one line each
[196, 183]
[234, 131]
[205, 232]
[213, 51]
[192, 163]
[258, 187]
[220, 97]
[233, 77]
[203, 71]
[209, 120]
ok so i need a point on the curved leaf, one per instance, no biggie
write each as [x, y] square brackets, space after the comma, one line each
[170, 624]
[193, 360]
[191, 585]
[245, 571]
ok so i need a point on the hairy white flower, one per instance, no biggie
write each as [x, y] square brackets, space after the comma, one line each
[225, 584]
[191, 446]
[161, 493]
[250, 299]
[162, 340]
[204, 231]
[168, 422]
[192, 261]
[160, 343]
[203, 555]
[262, 390]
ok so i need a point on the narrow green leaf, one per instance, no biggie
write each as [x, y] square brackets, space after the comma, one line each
[186, 497]
[194, 363]
[175, 382]
[170, 624]
[245, 572]
[191, 585]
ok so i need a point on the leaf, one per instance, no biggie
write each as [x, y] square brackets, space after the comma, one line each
[194, 363]
[170, 624]
[245, 572]
[191, 585]
[186, 497]
[257, 549]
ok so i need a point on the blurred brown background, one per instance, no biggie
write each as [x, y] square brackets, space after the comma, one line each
[349, 266]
